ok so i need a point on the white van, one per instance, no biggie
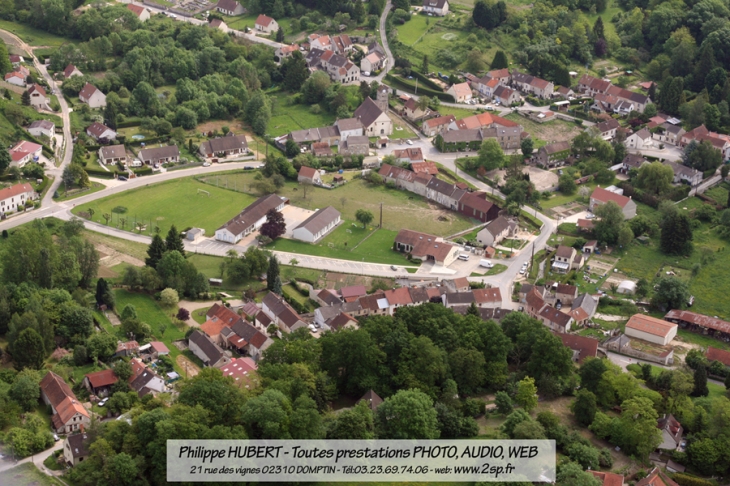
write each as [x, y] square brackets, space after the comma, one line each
[136, 163]
[366, 73]
[486, 263]
[463, 256]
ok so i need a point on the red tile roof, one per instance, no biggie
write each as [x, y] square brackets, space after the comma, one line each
[586, 347]
[602, 195]
[213, 328]
[307, 172]
[159, 347]
[15, 190]
[136, 9]
[399, 296]
[487, 295]
[650, 325]
[264, 20]
[102, 378]
[714, 354]
[240, 370]
[609, 479]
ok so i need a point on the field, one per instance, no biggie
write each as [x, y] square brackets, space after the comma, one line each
[712, 283]
[401, 209]
[554, 131]
[176, 202]
[150, 312]
[377, 248]
[27, 475]
[76, 192]
[31, 36]
[288, 116]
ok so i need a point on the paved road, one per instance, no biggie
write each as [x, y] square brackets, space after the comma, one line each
[384, 41]
[37, 459]
[55, 172]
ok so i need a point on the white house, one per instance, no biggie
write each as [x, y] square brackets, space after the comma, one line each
[24, 151]
[72, 70]
[142, 13]
[317, 225]
[15, 78]
[373, 62]
[68, 413]
[349, 127]
[651, 329]
[14, 197]
[219, 24]
[461, 91]
[159, 155]
[266, 24]
[639, 140]
[112, 154]
[97, 131]
[494, 232]
[374, 120]
[230, 8]
[42, 128]
[436, 7]
[682, 173]
[250, 219]
[92, 96]
[38, 97]
[486, 86]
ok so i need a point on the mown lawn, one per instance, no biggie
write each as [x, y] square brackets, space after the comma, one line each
[210, 266]
[410, 32]
[401, 209]
[288, 116]
[76, 192]
[175, 202]
[376, 249]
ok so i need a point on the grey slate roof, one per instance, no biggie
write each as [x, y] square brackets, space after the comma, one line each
[223, 144]
[210, 349]
[319, 220]
[367, 112]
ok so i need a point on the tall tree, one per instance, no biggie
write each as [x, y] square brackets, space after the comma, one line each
[33, 351]
[670, 293]
[676, 237]
[104, 295]
[491, 155]
[275, 226]
[273, 272]
[424, 65]
[700, 382]
[609, 223]
[500, 60]
[174, 241]
[598, 29]
[409, 414]
[655, 178]
[155, 251]
[280, 35]
[295, 71]
[526, 393]
[5, 161]
[584, 407]
[25, 98]
[5, 65]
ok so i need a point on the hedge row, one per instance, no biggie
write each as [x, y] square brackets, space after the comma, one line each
[426, 80]
[142, 171]
[130, 122]
[148, 141]
[404, 85]
[687, 480]
[95, 170]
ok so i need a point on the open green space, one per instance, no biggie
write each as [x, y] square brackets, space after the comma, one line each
[458, 113]
[377, 248]
[719, 193]
[179, 202]
[28, 475]
[76, 192]
[151, 313]
[288, 116]
[33, 37]
[496, 269]
[412, 31]
[552, 131]
[401, 209]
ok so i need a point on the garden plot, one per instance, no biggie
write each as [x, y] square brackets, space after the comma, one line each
[567, 210]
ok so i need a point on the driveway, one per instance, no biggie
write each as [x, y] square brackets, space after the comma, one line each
[294, 216]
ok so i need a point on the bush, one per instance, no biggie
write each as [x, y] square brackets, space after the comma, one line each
[687, 480]
[472, 407]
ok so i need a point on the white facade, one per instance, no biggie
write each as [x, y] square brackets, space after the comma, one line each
[652, 338]
[42, 132]
[639, 141]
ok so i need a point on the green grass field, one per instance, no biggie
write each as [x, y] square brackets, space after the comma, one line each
[76, 192]
[401, 209]
[176, 202]
[27, 475]
[150, 312]
[458, 113]
[376, 248]
[288, 116]
[719, 193]
[412, 31]
[34, 37]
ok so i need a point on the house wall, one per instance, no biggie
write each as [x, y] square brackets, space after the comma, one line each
[652, 338]
[68, 456]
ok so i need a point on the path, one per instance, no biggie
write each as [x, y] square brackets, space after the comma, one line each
[192, 307]
[36, 459]
[65, 116]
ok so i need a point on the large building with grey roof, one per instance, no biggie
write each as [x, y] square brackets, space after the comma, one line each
[317, 225]
[250, 219]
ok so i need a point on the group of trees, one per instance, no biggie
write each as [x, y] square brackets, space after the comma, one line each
[166, 267]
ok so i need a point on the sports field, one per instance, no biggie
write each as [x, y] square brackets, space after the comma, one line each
[181, 202]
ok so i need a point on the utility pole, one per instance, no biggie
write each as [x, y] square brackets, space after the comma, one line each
[381, 216]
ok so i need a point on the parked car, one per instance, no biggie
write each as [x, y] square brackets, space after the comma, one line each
[56, 437]
[394, 268]
[121, 178]
[103, 401]
[206, 164]
[409, 142]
